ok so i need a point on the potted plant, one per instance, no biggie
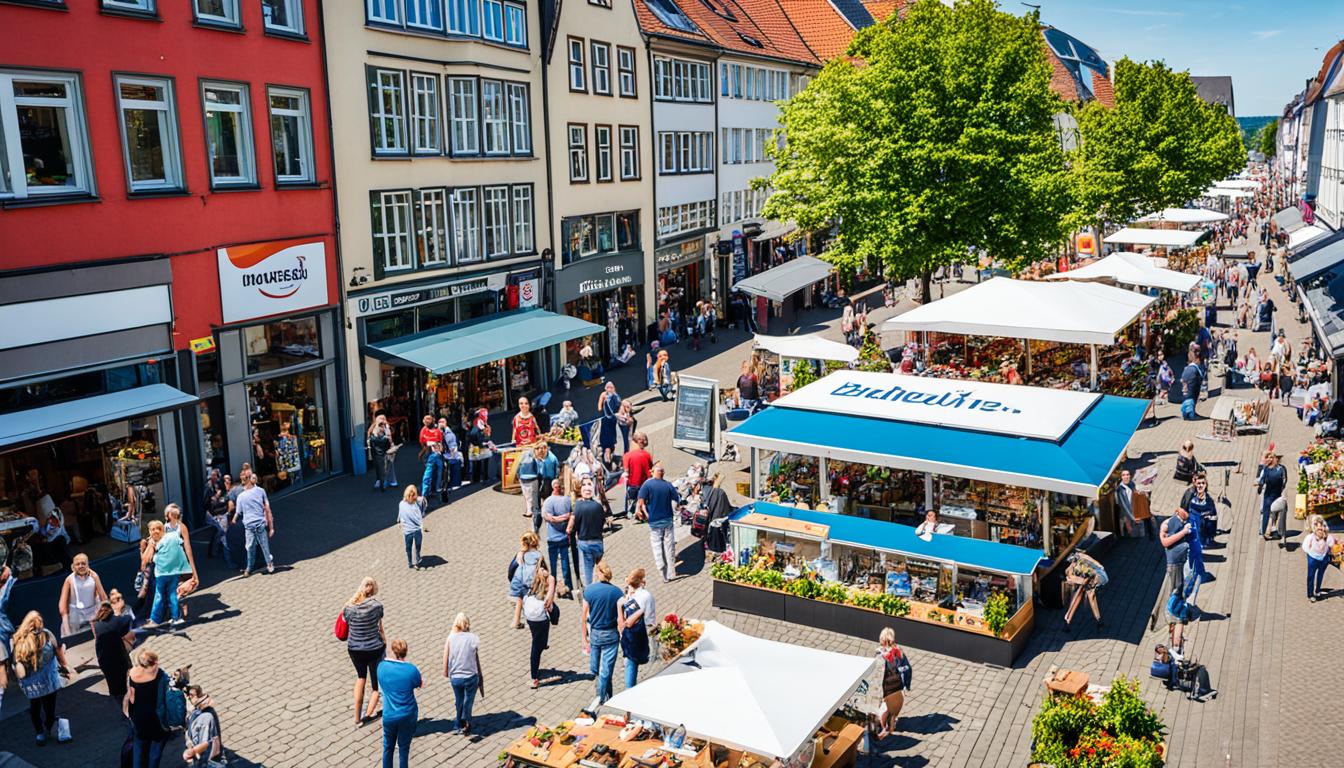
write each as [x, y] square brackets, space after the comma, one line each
[1074, 732]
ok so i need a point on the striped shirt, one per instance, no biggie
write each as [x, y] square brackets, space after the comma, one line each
[363, 619]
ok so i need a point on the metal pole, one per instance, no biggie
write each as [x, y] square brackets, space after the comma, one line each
[755, 473]
[1028, 343]
[1094, 366]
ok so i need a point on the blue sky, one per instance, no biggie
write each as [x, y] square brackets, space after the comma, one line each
[1269, 48]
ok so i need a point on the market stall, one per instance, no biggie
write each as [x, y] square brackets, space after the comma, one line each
[1131, 269]
[1320, 479]
[1169, 238]
[1183, 216]
[1011, 473]
[781, 356]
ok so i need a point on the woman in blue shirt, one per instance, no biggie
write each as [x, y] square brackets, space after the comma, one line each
[399, 679]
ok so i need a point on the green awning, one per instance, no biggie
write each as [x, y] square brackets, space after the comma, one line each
[483, 340]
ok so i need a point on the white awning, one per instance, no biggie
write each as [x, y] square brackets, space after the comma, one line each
[780, 282]
[1305, 235]
[1173, 238]
[1237, 184]
[741, 691]
[1185, 216]
[808, 347]
[773, 229]
[1069, 311]
[1131, 269]
[1225, 192]
[1289, 219]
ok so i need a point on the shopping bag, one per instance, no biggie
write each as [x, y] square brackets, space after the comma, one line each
[62, 730]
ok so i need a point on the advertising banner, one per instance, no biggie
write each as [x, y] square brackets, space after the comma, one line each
[265, 279]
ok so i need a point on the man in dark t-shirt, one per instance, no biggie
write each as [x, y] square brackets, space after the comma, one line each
[586, 525]
[1192, 381]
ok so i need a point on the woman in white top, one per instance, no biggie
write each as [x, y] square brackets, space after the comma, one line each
[537, 604]
[80, 596]
[462, 667]
[1317, 543]
[926, 529]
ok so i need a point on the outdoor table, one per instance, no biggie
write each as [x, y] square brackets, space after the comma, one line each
[1068, 682]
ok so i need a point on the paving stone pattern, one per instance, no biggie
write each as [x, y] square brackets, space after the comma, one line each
[263, 646]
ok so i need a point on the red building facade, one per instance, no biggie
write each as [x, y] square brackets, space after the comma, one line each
[168, 275]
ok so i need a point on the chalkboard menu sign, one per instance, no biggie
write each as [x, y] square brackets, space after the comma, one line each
[696, 416]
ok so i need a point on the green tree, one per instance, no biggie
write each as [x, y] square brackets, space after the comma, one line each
[1267, 138]
[1160, 146]
[940, 141]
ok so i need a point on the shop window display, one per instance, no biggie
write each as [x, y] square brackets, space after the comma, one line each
[289, 436]
[281, 344]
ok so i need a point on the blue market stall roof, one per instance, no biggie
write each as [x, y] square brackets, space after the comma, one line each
[89, 412]
[495, 337]
[1078, 463]
[894, 537]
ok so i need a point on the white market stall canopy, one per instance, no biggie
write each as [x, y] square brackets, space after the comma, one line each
[808, 347]
[1226, 192]
[1184, 216]
[1289, 219]
[741, 691]
[778, 283]
[1071, 312]
[1131, 269]
[1237, 184]
[1171, 238]
[1305, 235]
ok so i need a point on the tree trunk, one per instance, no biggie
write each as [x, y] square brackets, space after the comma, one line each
[925, 295]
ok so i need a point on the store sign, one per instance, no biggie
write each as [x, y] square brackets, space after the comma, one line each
[203, 345]
[265, 279]
[1003, 409]
[386, 302]
[739, 257]
[529, 293]
[674, 256]
[598, 274]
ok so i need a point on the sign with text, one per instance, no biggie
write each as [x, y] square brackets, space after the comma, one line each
[264, 279]
[979, 406]
[696, 417]
[393, 300]
[597, 274]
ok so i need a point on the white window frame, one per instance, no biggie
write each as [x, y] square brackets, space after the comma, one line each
[464, 99]
[629, 136]
[426, 114]
[385, 141]
[495, 127]
[662, 78]
[304, 114]
[578, 73]
[601, 69]
[520, 117]
[421, 10]
[294, 8]
[495, 226]
[466, 225]
[627, 81]
[522, 219]
[492, 20]
[431, 227]
[130, 6]
[667, 153]
[463, 17]
[578, 152]
[230, 18]
[15, 184]
[515, 25]
[168, 136]
[602, 152]
[247, 156]
[398, 248]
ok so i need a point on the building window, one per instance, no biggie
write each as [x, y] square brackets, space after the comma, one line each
[392, 247]
[675, 219]
[578, 152]
[291, 136]
[464, 17]
[667, 152]
[466, 225]
[602, 149]
[144, 7]
[284, 16]
[682, 80]
[601, 69]
[496, 210]
[584, 236]
[577, 74]
[387, 110]
[383, 11]
[515, 25]
[148, 133]
[223, 13]
[494, 117]
[625, 68]
[228, 134]
[520, 119]
[44, 147]
[425, 14]
[462, 91]
[494, 21]
[629, 152]
[425, 113]
[522, 220]
[432, 227]
[602, 3]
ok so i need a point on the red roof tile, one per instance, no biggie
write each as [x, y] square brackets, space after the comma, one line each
[1061, 80]
[1318, 84]
[725, 22]
[883, 9]
[822, 27]
[1103, 90]
[650, 24]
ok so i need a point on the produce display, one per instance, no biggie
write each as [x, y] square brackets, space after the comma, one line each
[792, 479]
[1321, 477]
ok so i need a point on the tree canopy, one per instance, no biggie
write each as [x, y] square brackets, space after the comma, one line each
[934, 137]
[1267, 138]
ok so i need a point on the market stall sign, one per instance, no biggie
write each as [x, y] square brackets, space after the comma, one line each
[264, 279]
[386, 302]
[1004, 409]
[786, 525]
[694, 426]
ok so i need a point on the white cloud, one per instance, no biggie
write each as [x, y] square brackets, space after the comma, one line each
[1265, 34]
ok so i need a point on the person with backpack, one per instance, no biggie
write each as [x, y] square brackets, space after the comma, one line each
[39, 662]
[149, 709]
[522, 569]
[204, 740]
[1174, 535]
[896, 672]
[540, 612]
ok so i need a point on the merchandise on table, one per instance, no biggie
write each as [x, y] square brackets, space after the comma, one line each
[1320, 481]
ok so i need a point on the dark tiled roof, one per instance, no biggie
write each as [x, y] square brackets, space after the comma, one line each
[1216, 89]
[651, 24]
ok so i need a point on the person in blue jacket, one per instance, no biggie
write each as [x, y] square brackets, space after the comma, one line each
[436, 463]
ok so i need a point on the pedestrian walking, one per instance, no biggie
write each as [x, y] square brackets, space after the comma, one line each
[638, 465]
[540, 613]
[479, 447]
[254, 508]
[39, 663]
[172, 523]
[411, 515]
[165, 550]
[1271, 484]
[535, 473]
[452, 454]
[585, 525]
[608, 405]
[217, 514]
[1083, 578]
[896, 674]
[81, 594]
[1134, 509]
[365, 643]
[462, 667]
[429, 434]
[112, 641]
[436, 468]
[657, 499]
[141, 706]
[600, 634]
[556, 511]
[521, 571]
[400, 710]
[662, 375]
[1174, 535]
[382, 453]
[1318, 543]
[1203, 517]
[203, 735]
[638, 617]
[626, 422]
[525, 429]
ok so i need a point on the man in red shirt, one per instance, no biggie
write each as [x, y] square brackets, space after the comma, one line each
[638, 468]
[429, 434]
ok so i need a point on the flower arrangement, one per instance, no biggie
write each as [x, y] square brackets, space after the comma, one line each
[996, 613]
[674, 634]
[1074, 732]
[807, 587]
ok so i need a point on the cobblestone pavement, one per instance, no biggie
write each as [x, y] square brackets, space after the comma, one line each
[263, 645]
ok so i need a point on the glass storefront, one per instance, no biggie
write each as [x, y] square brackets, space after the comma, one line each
[618, 311]
[281, 344]
[290, 444]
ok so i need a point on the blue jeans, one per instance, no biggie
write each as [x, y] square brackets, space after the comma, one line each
[603, 645]
[146, 753]
[631, 673]
[1265, 502]
[464, 693]
[559, 551]
[454, 474]
[1315, 572]
[255, 535]
[165, 596]
[665, 391]
[591, 551]
[416, 538]
[397, 735]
